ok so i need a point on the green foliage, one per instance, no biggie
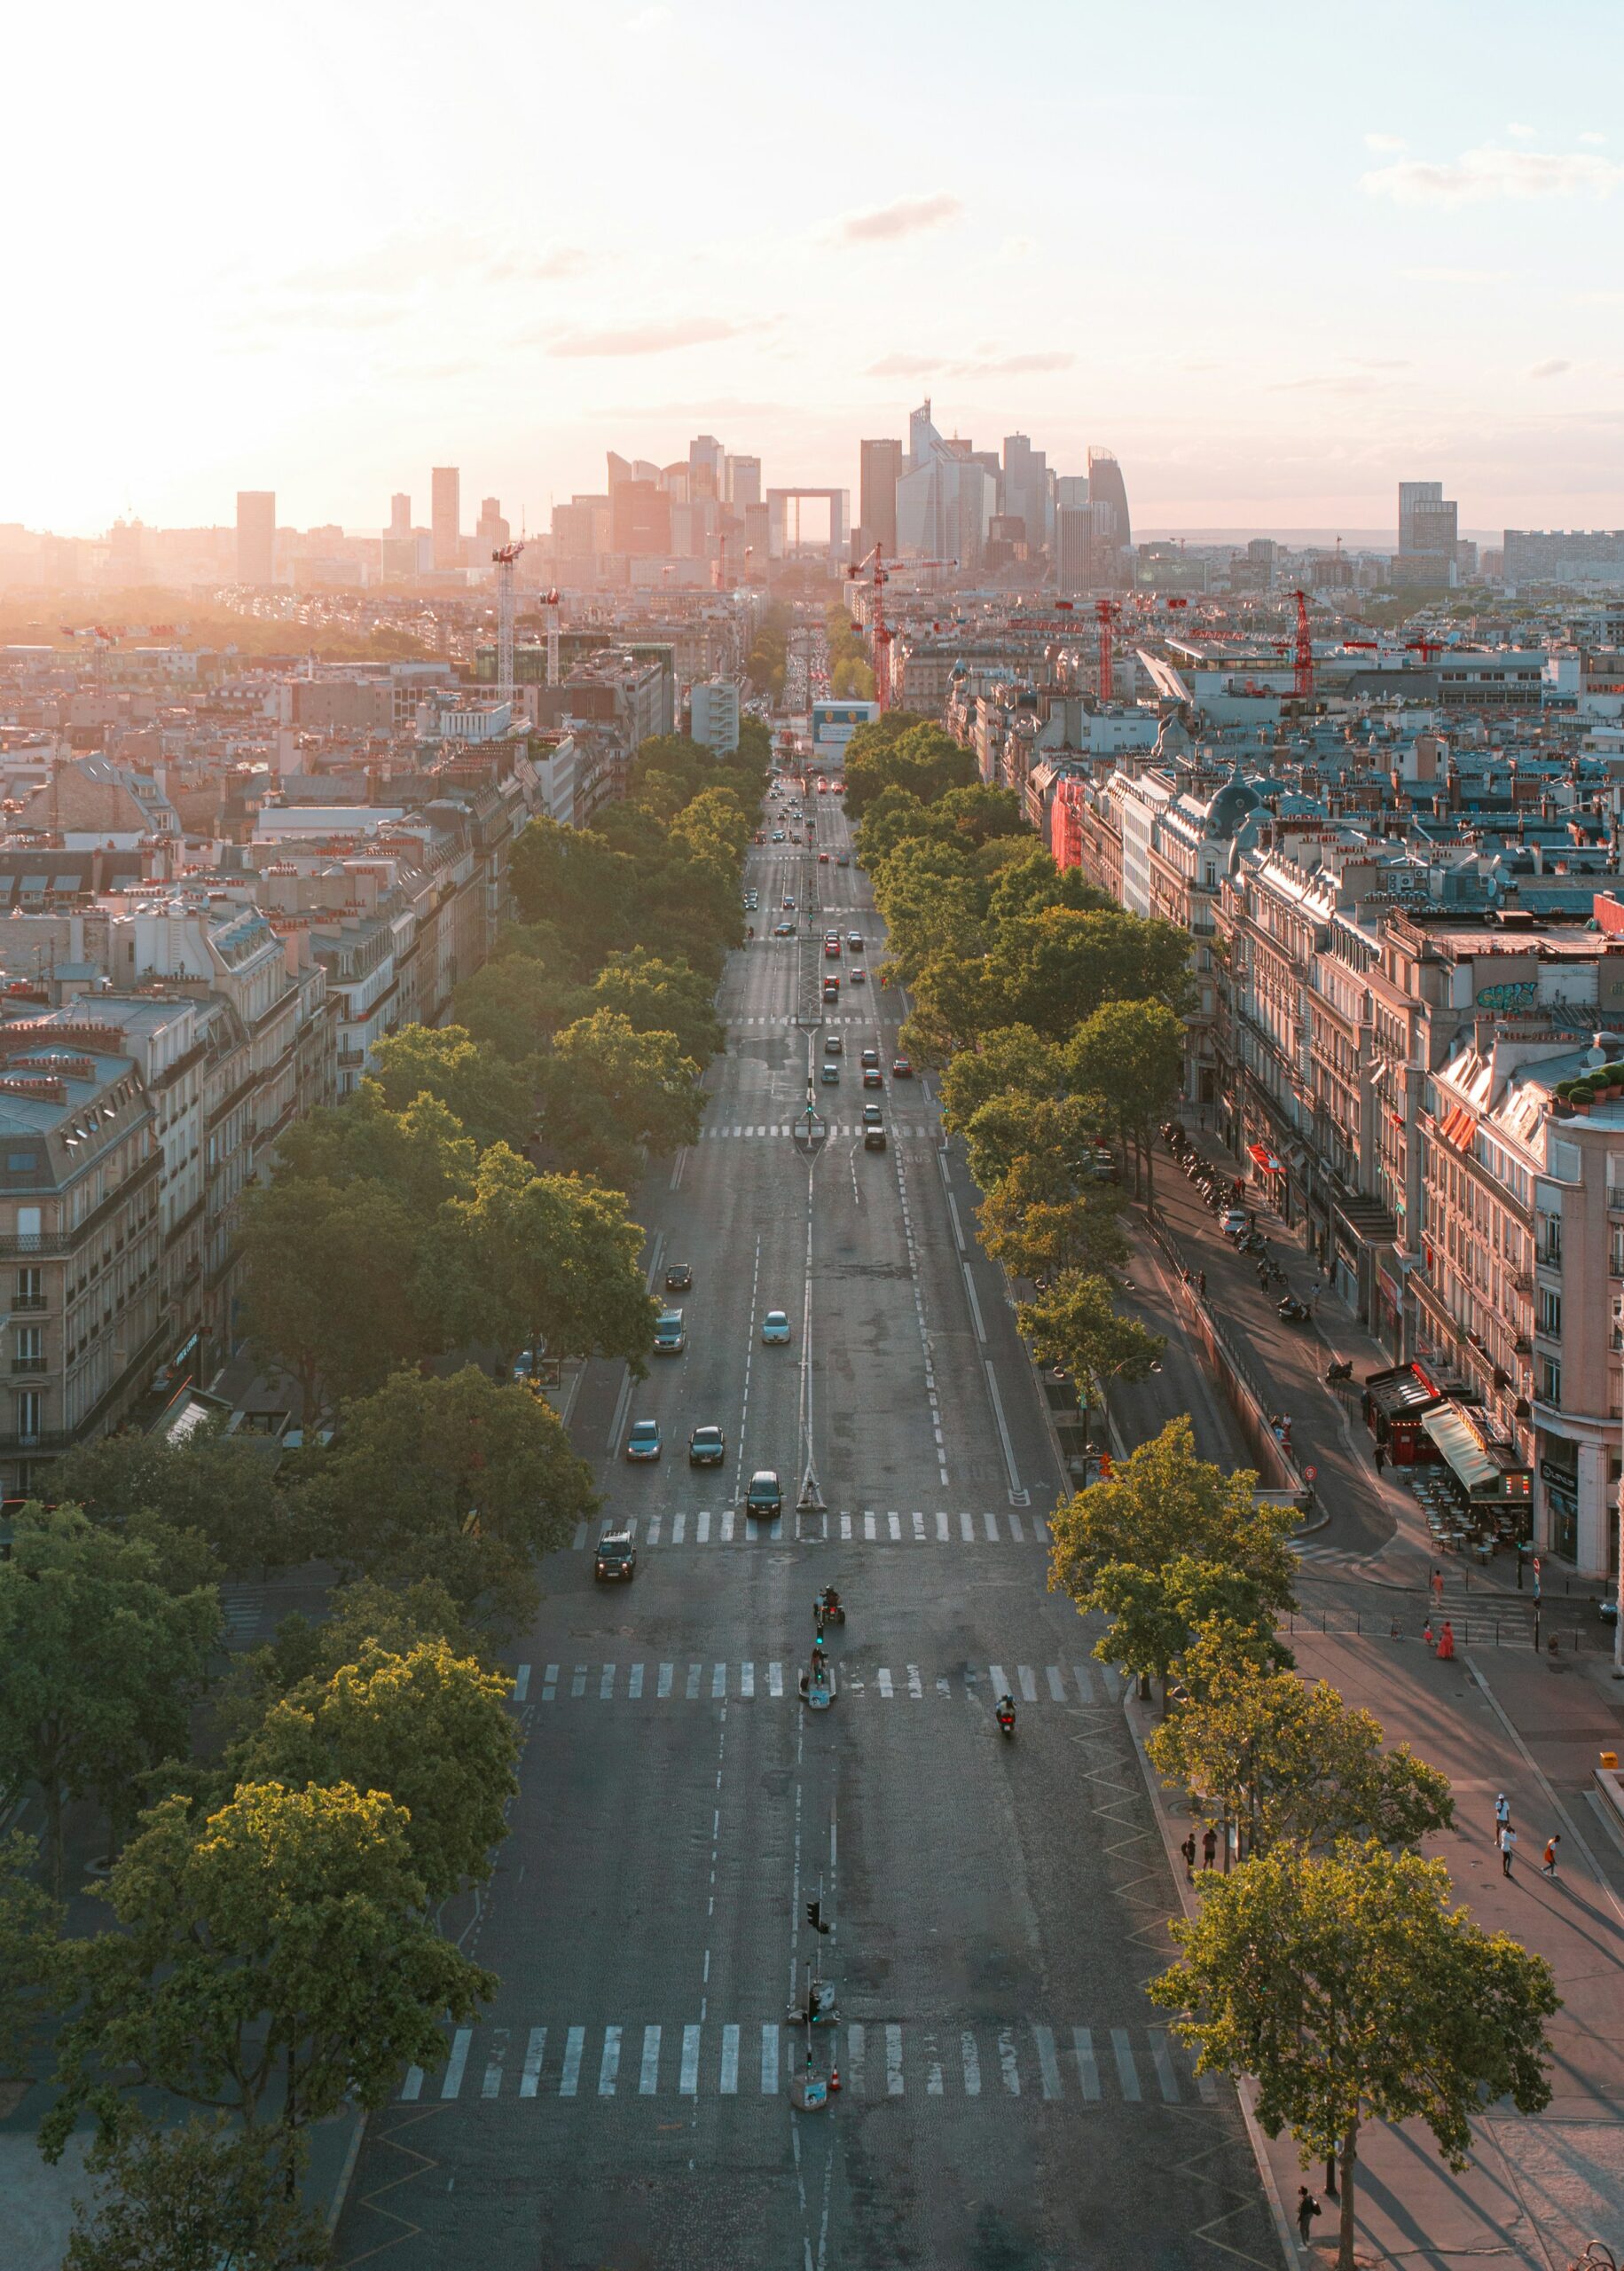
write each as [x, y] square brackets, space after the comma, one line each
[1074, 1324]
[1352, 1990]
[489, 1097]
[461, 1479]
[1039, 1224]
[420, 1156]
[1154, 1612]
[1289, 1762]
[221, 1489]
[514, 1003]
[204, 2196]
[425, 1727]
[660, 995]
[101, 1663]
[921, 757]
[1130, 1054]
[331, 1275]
[274, 1957]
[1013, 1062]
[609, 1091]
[30, 1923]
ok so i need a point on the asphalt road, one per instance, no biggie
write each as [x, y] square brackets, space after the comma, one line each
[1008, 2099]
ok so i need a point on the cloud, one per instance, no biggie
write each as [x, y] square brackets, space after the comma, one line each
[1016, 248]
[545, 267]
[1553, 369]
[649, 20]
[1328, 384]
[648, 338]
[1523, 133]
[905, 217]
[1597, 141]
[1476, 176]
[1455, 275]
[904, 366]
[1012, 366]
[1385, 143]
[1600, 299]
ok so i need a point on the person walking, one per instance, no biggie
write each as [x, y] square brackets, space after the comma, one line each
[1437, 1588]
[1188, 1850]
[1209, 1846]
[1201, 1283]
[1502, 1812]
[1307, 2209]
[1380, 1457]
[1446, 1644]
[1263, 1275]
[1508, 1841]
[1547, 1867]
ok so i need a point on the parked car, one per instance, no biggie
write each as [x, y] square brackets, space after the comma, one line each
[615, 1560]
[643, 1442]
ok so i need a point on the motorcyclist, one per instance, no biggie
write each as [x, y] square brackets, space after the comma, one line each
[830, 1599]
[1005, 1708]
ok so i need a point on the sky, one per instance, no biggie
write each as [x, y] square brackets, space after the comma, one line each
[1278, 257]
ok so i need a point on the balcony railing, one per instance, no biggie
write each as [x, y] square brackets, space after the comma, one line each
[28, 1364]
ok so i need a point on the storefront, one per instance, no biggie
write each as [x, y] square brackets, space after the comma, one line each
[1494, 1479]
[1560, 1479]
[1395, 1403]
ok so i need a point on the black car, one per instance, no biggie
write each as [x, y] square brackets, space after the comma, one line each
[615, 1562]
[679, 1278]
[707, 1447]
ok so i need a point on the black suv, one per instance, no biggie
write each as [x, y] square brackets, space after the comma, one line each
[616, 1558]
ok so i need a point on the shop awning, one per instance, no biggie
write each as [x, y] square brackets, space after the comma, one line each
[1264, 1157]
[1470, 1465]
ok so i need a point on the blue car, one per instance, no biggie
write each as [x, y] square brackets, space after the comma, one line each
[775, 1326]
[644, 1440]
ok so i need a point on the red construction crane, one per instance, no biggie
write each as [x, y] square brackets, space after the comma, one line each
[1429, 649]
[1302, 676]
[879, 630]
[1108, 613]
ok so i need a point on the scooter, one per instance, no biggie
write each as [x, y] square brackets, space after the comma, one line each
[1292, 1311]
[829, 1606]
[1006, 1717]
[1342, 1372]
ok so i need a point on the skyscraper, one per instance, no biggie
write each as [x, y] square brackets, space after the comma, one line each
[256, 536]
[1106, 487]
[491, 530]
[446, 517]
[706, 457]
[400, 513]
[1428, 531]
[743, 483]
[1026, 488]
[880, 463]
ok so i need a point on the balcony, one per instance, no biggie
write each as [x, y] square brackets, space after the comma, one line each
[21, 1364]
[21, 1302]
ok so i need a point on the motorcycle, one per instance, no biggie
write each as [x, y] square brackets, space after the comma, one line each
[1006, 1715]
[829, 1607]
[1339, 1372]
[1292, 1311]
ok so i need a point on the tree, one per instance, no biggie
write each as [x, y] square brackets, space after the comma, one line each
[1074, 1324]
[574, 879]
[514, 1004]
[1154, 1612]
[609, 1091]
[1011, 1061]
[100, 1665]
[1289, 1762]
[1053, 969]
[274, 1959]
[363, 1614]
[657, 995]
[1057, 1133]
[1163, 1502]
[427, 1728]
[917, 755]
[459, 1478]
[30, 1922]
[542, 1261]
[1131, 1054]
[330, 1284]
[1353, 1992]
[205, 2196]
[420, 1156]
[220, 1488]
[489, 1098]
[1040, 1227]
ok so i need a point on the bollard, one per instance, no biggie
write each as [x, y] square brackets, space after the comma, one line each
[834, 2078]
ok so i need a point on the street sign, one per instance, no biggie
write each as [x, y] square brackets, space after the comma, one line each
[1311, 1475]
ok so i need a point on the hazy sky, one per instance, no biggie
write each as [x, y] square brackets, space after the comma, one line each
[1276, 256]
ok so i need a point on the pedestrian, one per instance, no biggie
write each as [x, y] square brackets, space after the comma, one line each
[1188, 1850]
[1446, 1644]
[1380, 1457]
[1263, 1275]
[1502, 1812]
[1507, 1839]
[1307, 2209]
[1201, 1283]
[1427, 1632]
[1438, 1587]
[1209, 1846]
[1548, 1866]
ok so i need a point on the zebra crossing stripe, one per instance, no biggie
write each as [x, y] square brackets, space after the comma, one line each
[455, 2064]
[1127, 2072]
[967, 1528]
[995, 1673]
[648, 2077]
[574, 2043]
[1007, 2061]
[992, 1522]
[1088, 2072]
[972, 2065]
[1164, 2074]
[893, 2062]
[609, 2068]
[688, 2081]
[521, 1682]
[692, 1691]
[664, 1685]
[1029, 1686]
[491, 2087]
[769, 2060]
[775, 1680]
[605, 1686]
[634, 1686]
[1057, 1686]
[412, 2088]
[577, 1685]
[854, 2057]
[729, 2084]
[746, 1679]
[534, 2050]
[1048, 2066]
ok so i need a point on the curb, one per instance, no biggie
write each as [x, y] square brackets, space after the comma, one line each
[1190, 1906]
[345, 2175]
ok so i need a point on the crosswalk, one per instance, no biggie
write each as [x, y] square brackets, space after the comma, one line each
[242, 1609]
[837, 1130]
[791, 1017]
[1090, 1685]
[728, 1526]
[1137, 2067]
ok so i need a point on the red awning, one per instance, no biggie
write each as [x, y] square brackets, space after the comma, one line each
[1264, 1157]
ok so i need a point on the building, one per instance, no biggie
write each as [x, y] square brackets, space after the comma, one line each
[1026, 491]
[400, 516]
[1428, 533]
[256, 536]
[713, 715]
[1583, 556]
[880, 468]
[445, 517]
[640, 519]
[1087, 549]
[490, 531]
[743, 484]
[1106, 486]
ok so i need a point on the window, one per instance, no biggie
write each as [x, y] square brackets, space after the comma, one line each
[30, 1414]
[1551, 1381]
[30, 1292]
[1550, 1237]
[1551, 1311]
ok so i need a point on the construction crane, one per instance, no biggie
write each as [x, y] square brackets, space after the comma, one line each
[879, 630]
[549, 607]
[504, 560]
[1429, 649]
[1302, 672]
[1108, 614]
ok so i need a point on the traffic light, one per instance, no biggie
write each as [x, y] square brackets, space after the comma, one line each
[814, 1915]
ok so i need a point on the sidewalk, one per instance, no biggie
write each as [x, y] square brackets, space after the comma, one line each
[1537, 2187]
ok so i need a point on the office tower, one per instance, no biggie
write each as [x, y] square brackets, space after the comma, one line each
[1412, 494]
[1070, 491]
[491, 531]
[706, 458]
[743, 483]
[256, 536]
[1428, 533]
[446, 517]
[1026, 488]
[400, 513]
[880, 468]
[1106, 487]
[640, 519]
[1086, 552]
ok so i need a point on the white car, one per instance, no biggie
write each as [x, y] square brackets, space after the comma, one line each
[775, 1326]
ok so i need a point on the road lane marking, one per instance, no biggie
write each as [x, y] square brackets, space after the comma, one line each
[1000, 1686]
[991, 1521]
[972, 2065]
[656, 1523]
[664, 1684]
[692, 1694]
[1048, 2066]
[605, 1686]
[1126, 2070]
[882, 1681]
[680, 1523]
[769, 2060]
[491, 2087]
[1015, 1531]
[718, 1681]
[412, 2088]
[648, 2077]
[727, 1525]
[868, 1529]
[521, 1682]
[1164, 2074]
[569, 2079]
[941, 1528]
[893, 2062]
[609, 2068]
[967, 1528]
[634, 1684]
[1057, 1686]
[1085, 1685]
[728, 2085]
[1007, 2061]
[549, 1684]
[1029, 1686]
[775, 1680]
[454, 2064]
[854, 2058]
[701, 1529]
[577, 1685]
[1088, 2072]
[746, 1679]
[933, 2069]
[687, 2080]
[531, 2078]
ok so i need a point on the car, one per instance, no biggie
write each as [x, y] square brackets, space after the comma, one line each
[1102, 1164]
[831, 950]
[822, 856]
[707, 1447]
[644, 1443]
[670, 1340]
[831, 989]
[1232, 1221]
[874, 1139]
[860, 976]
[777, 836]
[615, 1560]
[842, 859]
[765, 1499]
[871, 1056]
[854, 939]
[775, 1327]
[902, 1070]
[872, 1077]
[783, 930]
[828, 1073]
[833, 1045]
[678, 1277]
[872, 1115]
[788, 903]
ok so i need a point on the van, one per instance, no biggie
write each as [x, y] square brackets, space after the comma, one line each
[670, 1340]
[615, 1560]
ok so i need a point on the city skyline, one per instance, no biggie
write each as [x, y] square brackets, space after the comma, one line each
[1273, 308]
